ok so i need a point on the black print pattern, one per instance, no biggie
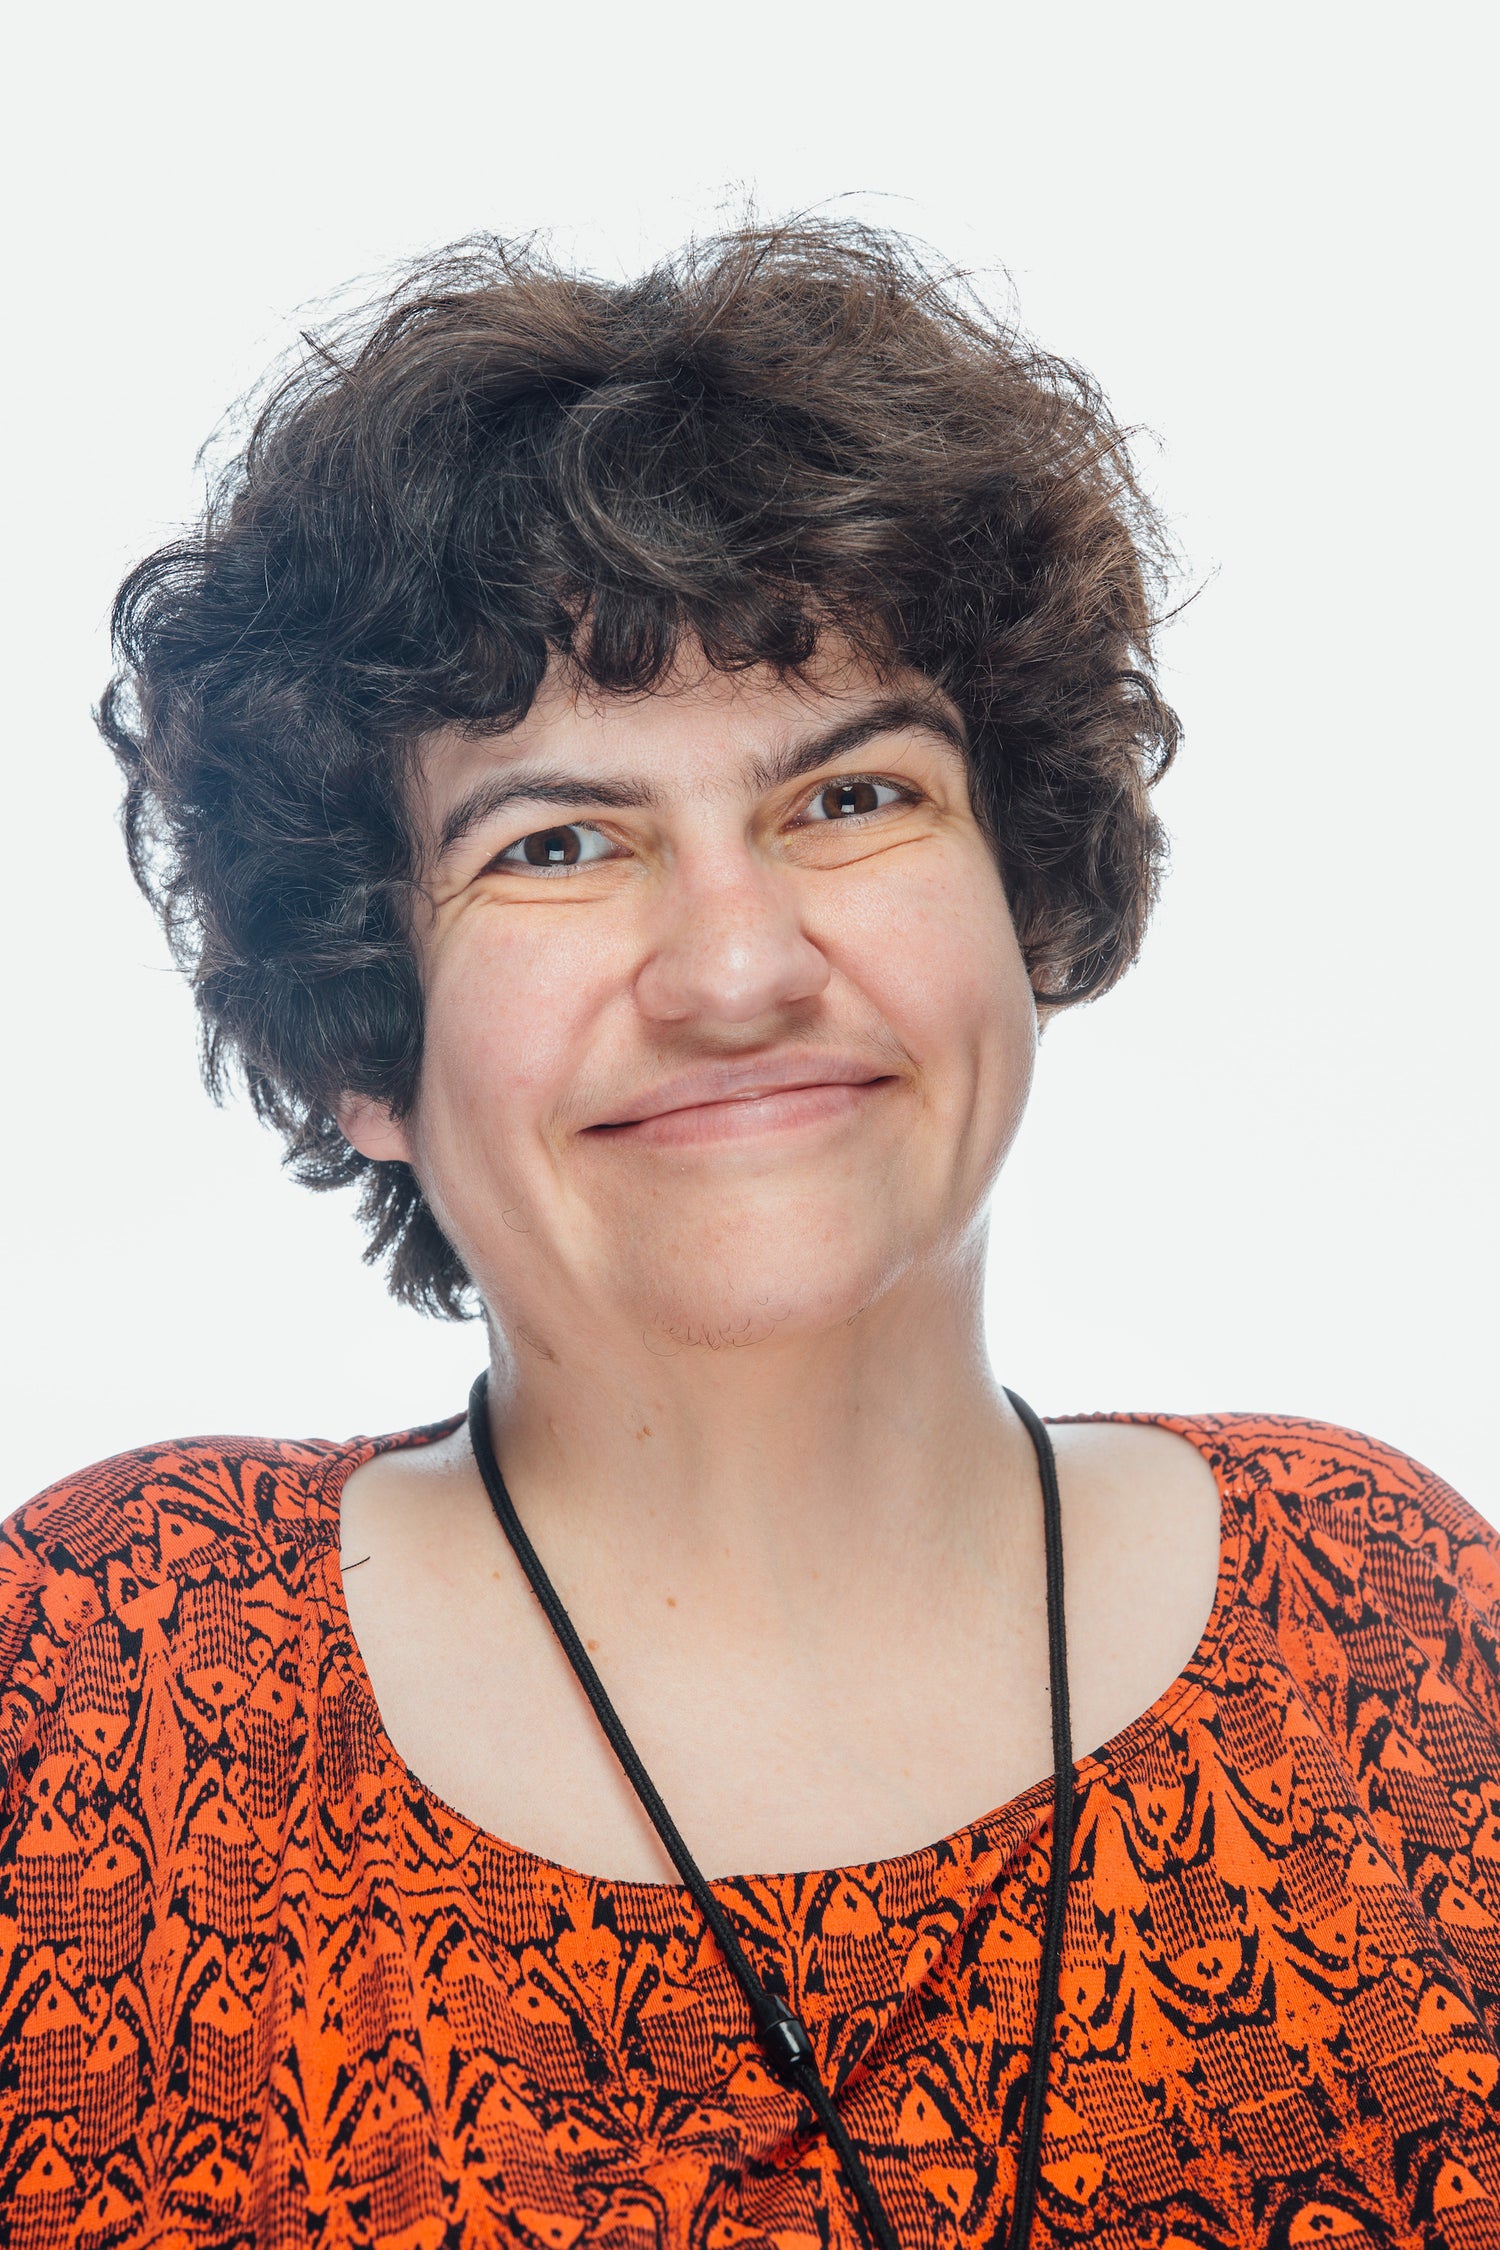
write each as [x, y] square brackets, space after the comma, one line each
[259, 1987]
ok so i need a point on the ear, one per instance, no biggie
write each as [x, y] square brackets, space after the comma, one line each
[373, 1129]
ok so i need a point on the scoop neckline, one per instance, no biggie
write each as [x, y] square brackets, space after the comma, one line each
[1013, 1823]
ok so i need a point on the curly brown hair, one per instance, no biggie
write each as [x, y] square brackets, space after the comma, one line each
[780, 432]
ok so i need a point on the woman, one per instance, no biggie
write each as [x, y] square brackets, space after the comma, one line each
[626, 769]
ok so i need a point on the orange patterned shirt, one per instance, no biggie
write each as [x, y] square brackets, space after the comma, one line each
[259, 1986]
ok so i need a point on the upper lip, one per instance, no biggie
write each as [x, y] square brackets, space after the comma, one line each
[742, 1080]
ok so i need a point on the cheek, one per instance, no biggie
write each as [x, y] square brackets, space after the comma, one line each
[506, 1008]
[936, 954]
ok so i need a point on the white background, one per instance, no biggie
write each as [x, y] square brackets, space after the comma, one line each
[1260, 1175]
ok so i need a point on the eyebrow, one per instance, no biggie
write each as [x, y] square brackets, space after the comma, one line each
[894, 714]
[537, 785]
[533, 785]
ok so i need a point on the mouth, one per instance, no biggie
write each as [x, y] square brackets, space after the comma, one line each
[738, 1101]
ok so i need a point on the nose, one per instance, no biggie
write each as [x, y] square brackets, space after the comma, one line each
[729, 948]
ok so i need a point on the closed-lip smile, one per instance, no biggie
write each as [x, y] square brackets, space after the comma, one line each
[751, 1094]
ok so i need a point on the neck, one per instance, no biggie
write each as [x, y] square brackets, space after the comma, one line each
[877, 1441]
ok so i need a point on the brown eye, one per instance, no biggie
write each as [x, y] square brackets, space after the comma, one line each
[849, 800]
[847, 797]
[552, 851]
[552, 847]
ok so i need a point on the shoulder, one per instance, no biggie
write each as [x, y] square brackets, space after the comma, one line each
[1350, 1495]
[1373, 1575]
[1336, 1490]
[1334, 1535]
[126, 1547]
[179, 1496]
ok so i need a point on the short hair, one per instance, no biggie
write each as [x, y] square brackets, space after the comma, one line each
[779, 433]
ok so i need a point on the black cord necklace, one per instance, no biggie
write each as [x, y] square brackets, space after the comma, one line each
[783, 2036]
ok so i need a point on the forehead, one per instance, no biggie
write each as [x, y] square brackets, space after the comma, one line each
[701, 731]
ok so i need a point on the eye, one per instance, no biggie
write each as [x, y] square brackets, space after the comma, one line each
[851, 799]
[550, 851]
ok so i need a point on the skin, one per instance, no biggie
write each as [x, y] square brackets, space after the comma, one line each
[718, 1074]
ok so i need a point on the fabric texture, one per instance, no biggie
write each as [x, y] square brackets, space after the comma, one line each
[258, 1986]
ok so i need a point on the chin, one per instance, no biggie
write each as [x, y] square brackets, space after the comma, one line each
[725, 1297]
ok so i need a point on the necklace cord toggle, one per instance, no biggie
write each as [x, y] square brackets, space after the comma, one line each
[784, 2038]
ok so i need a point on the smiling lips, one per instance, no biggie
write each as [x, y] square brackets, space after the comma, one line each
[730, 1101]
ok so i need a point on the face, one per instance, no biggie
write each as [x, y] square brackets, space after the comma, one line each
[727, 1030]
